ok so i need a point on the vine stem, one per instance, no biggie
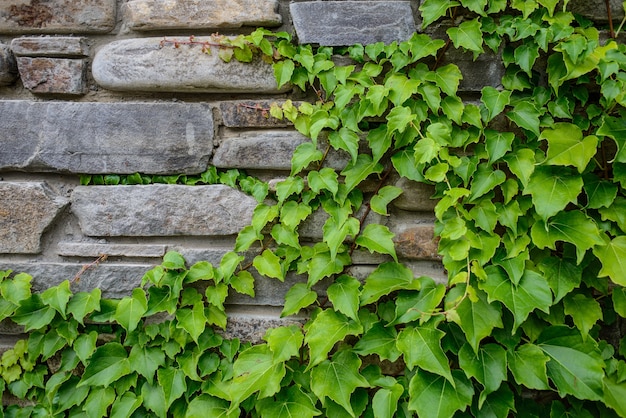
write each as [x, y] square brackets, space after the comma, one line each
[93, 264]
[610, 17]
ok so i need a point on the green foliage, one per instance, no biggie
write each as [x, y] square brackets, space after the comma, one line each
[529, 216]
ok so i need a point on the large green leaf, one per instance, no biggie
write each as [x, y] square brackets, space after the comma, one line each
[573, 227]
[297, 297]
[532, 292]
[566, 146]
[485, 180]
[83, 303]
[33, 313]
[206, 405]
[387, 278]
[289, 403]
[192, 320]
[468, 35]
[16, 289]
[377, 238]
[268, 264]
[421, 347]
[421, 305]
[497, 144]
[600, 193]
[576, 366]
[146, 360]
[528, 365]
[131, 309]
[613, 259]
[106, 365]
[488, 367]
[304, 155]
[526, 115]
[585, 311]
[344, 295]
[338, 379]
[379, 340]
[522, 164]
[172, 380]
[434, 396]
[359, 170]
[447, 78]
[614, 394]
[326, 329]
[57, 297]
[493, 102]
[552, 189]
[285, 342]
[562, 275]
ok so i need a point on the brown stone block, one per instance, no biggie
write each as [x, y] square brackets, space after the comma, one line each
[52, 75]
[417, 242]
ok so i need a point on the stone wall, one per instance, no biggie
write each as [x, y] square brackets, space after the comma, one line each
[85, 88]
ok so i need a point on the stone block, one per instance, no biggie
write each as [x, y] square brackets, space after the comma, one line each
[251, 323]
[161, 210]
[596, 9]
[104, 138]
[57, 46]
[147, 15]
[344, 23]
[416, 242]
[115, 280]
[26, 211]
[83, 249]
[258, 150]
[42, 75]
[57, 16]
[250, 114]
[146, 64]
[415, 197]
[8, 66]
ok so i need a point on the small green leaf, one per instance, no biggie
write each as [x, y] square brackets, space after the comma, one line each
[613, 259]
[326, 329]
[497, 144]
[488, 367]
[146, 360]
[387, 278]
[205, 405]
[434, 396]
[192, 320]
[359, 170]
[131, 309]
[526, 115]
[283, 71]
[344, 295]
[552, 189]
[16, 289]
[384, 196]
[297, 297]
[421, 347]
[614, 394]
[434, 9]
[97, 403]
[106, 365]
[562, 275]
[305, 154]
[379, 340]
[493, 102]
[173, 261]
[377, 238]
[528, 365]
[324, 179]
[485, 180]
[246, 238]
[585, 311]
[243, 282]
[619, 301]
[289, 403]
[566, 146]
[255, 370]
[125, 405]
[33, 313]
[172, 380]
[58, 296]
[468, 35]
[268, 264]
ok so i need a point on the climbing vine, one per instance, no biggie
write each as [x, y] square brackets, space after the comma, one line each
[530, 185]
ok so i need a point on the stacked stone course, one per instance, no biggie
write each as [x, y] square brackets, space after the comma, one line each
[87, 88]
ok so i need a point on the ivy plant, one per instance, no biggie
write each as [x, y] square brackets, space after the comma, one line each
[530, 182]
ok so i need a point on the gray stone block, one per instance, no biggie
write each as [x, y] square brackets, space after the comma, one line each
[104, 138]
[26, 211]
[146, 64]
[343, 23]
[115, 280]
[251, 323]
[161, 210]
[146, 15]
[250, 114]
[57, 46]
[415, 197]
[83, 249]
[596, 9]
[44, 75]
[57, 16]
[8, 66]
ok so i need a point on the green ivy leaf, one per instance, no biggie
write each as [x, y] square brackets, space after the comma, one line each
[585, 311]
[322, 264]
[526, 115]
[385, 401]
[421, 305]
[522, 164]
[377, 238]
[613, 259]
[303, 156]
[106, 365]
[421, 347]
[359, 170]
[399, 118]
[131, 309]
[619, 301]
[268, 264]
[173, 261]
[125, 405]
[344, 295]
[172, 380]
[566, 146]
[600, 193]
[283, 70]
[468, 35]
[297, 297]
[84, 345]
[448, 78]
[493, 102]
[616, 212]
[338, 379]
[434, 396]
[97, 403]
[83, 303]
[325, 179]
[288, 403]
[243, 282]
[400, 88]
[153, 397]
[562, 276]
[206, 405]
[146, 360]
[33, 313]
[385, 195]
[379, 340]
[488, 367]
[532, 292]
[614, 394]
[576, 366]
[192, 320]
[285, 342]
[485, 180]
[16, 289]
[386, 278]
[497, 144]
[326, 329]
[528, 365]
[552, 189]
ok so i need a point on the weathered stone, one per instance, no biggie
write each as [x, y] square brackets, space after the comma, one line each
[161, 210]
[57, 16]
[258, 149]
[146, 15]
[251, 323]
[115, 280]
[103, 138]
[416, 242]
[26, 211]
[8, 66]
[82, 249]
[415, 197]
[148, 65]
[343, 23]
[250, 114]
[487, 70]
[57, 46]
[596, 9]
[53, 75]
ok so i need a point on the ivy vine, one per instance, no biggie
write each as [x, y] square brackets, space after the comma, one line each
[530, 182]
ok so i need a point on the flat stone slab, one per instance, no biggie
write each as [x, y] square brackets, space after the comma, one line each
[415, 196]
[57, 46]
[105, 138]
[251, 114]
[146, 15]
[57, 16]
[43, 75]
[8, 66]
[82, 249]
[596, 9]
[344, 23]
[26, 211]
[145, 64]
[161, 210]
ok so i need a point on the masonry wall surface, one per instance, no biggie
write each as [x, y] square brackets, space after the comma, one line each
[86, 88]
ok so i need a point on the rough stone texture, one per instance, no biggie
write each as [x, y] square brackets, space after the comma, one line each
[44, 75]
[8, 66]
[57, 16]
[146, 15]
[115, 280]
[487, 70]
[103, 138]
[26, 211]
[416, 196]
[146, 65]
[596, 9]
[76, 249]
[57, 46]
[250, 114]
[251, 324]
[259, 149]
[161, 210]
[337, 23]
[416, 242]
